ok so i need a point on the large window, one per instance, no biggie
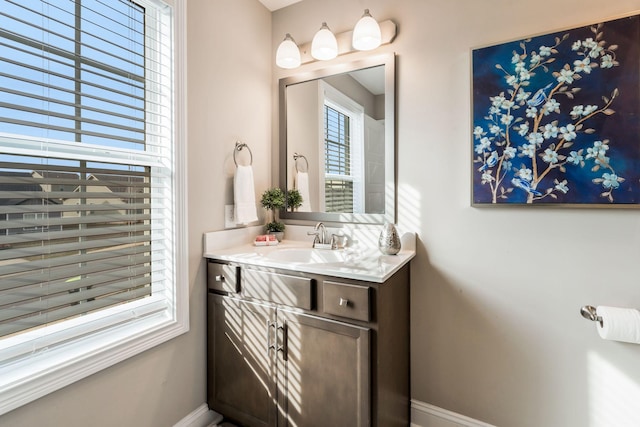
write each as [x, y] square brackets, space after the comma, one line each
[89, 170]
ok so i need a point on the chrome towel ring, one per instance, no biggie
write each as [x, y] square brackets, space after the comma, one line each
[239, 147]
[297, 156]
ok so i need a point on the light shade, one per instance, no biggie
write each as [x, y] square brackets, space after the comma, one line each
[288, 54]
[324, 45]
[366, 34]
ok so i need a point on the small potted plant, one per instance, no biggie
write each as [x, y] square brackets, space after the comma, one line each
[273, 200]
[294, 199]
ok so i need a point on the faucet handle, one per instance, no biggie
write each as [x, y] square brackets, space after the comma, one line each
[316, 239]
[338, 241]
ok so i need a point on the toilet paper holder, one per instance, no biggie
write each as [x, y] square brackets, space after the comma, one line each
[589, 312]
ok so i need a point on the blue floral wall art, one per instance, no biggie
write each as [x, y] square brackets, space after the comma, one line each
[556, 118]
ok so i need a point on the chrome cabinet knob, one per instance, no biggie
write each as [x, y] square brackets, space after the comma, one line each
[344, 302]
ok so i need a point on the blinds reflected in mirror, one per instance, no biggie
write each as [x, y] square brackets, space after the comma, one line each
[338, 180]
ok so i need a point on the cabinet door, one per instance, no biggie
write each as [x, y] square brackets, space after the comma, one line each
[240, 375]
[323, 372]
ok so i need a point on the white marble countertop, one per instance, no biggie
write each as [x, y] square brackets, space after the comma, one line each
[357, 262]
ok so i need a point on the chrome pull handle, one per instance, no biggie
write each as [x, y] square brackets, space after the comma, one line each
[219, 278]
[344, 302]
[282, 347]
[270, 345]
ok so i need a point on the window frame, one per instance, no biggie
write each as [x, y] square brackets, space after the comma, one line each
[350, 108]
[26, 379]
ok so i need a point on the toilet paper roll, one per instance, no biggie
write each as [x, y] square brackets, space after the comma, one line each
[619, 324]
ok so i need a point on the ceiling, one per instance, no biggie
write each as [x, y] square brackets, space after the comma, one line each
[371, 78]
[277, 4]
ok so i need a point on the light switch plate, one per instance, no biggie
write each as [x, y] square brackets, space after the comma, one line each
[229, 217]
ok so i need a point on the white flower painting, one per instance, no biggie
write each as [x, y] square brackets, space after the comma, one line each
[556, 118]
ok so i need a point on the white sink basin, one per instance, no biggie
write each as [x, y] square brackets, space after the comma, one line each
[306, 256]
[359, 262]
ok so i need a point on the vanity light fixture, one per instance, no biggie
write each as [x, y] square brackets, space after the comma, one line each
[288, 54]
[324, 45]
[366, 34]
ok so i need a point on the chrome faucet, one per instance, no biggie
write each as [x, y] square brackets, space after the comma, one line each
[320, 233]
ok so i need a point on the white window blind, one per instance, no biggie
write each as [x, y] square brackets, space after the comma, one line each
[87, 170]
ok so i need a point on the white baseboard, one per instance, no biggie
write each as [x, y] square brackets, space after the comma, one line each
[427, 415]
[200, 417]
[422, 415]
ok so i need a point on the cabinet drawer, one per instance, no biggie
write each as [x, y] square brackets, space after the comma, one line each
[346, 300]
[278, 288]
[223, 277]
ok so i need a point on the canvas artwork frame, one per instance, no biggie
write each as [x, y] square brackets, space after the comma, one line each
[556, 118]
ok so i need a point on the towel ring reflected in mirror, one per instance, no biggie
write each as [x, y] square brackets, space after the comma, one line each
[239, 147]
[296, 157]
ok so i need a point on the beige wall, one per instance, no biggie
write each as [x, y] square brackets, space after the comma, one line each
[496, 333]
[495, 329]
[229, 77]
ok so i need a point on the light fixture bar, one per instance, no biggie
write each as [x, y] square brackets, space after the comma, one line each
[387, 28]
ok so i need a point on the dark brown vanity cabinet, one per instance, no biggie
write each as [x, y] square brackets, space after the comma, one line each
[297, 349]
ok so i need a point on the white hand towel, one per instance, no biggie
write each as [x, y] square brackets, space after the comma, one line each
[302, 185]
[244, 195]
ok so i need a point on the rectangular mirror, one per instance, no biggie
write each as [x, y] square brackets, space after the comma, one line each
[337, 142]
